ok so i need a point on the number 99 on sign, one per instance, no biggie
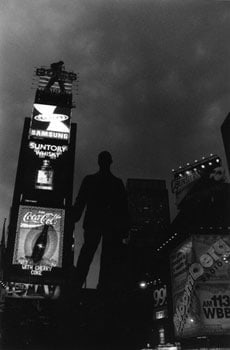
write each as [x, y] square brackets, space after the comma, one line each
[159, 296]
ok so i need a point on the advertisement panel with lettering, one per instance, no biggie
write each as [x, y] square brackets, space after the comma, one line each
[46, 168]
[160, 302]
[31, 291]
[201, 299]
[215, 306]
[197, 179]
[50, 122]
[180, 261]
[39, 239]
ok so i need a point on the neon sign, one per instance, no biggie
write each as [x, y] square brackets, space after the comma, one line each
[160, 296]
[47, 150]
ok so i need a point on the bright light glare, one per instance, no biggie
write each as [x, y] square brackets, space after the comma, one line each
[142, 284]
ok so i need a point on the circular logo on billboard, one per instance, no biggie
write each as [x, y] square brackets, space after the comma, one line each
[51, 117]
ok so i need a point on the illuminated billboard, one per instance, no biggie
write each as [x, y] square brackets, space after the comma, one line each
[46, 169]
[47, 150]
[200, 270]
[31, 290]
[196, 179]
[39, 237]
[50, 122]
[160, 302]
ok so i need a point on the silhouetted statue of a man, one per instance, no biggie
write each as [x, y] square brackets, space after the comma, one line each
[103, 196]
[56, 68]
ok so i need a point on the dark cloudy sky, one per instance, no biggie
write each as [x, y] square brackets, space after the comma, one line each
[154, 80]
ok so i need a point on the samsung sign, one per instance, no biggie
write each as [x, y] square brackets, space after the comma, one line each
[50, 121]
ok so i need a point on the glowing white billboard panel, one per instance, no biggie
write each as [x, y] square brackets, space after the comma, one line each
[50, 121]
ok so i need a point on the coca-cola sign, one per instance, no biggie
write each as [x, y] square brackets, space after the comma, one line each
[31, 219]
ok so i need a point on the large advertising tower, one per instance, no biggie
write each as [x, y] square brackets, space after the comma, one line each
[39, 247]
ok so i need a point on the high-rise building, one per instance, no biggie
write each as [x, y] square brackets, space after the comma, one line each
[149, 219]
[2, 249]
[148, 209]
[225, 130]
[201, 195]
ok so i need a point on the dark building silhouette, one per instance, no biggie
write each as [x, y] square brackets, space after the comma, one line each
[202, 195]
[149, 218]
[148, 209]
[225, 131]
[150, 222]
[2, 248]
[2, 257]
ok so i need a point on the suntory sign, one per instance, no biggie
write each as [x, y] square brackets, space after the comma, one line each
[45, 150]
[44, 168]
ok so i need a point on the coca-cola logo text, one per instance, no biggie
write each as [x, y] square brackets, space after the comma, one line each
[42, 218]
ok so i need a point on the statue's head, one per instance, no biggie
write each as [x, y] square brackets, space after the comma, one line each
[104, 160]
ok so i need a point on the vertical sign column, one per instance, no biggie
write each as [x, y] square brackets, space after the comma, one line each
[39, 241]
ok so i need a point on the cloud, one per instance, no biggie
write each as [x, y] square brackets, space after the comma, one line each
[150, 72]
